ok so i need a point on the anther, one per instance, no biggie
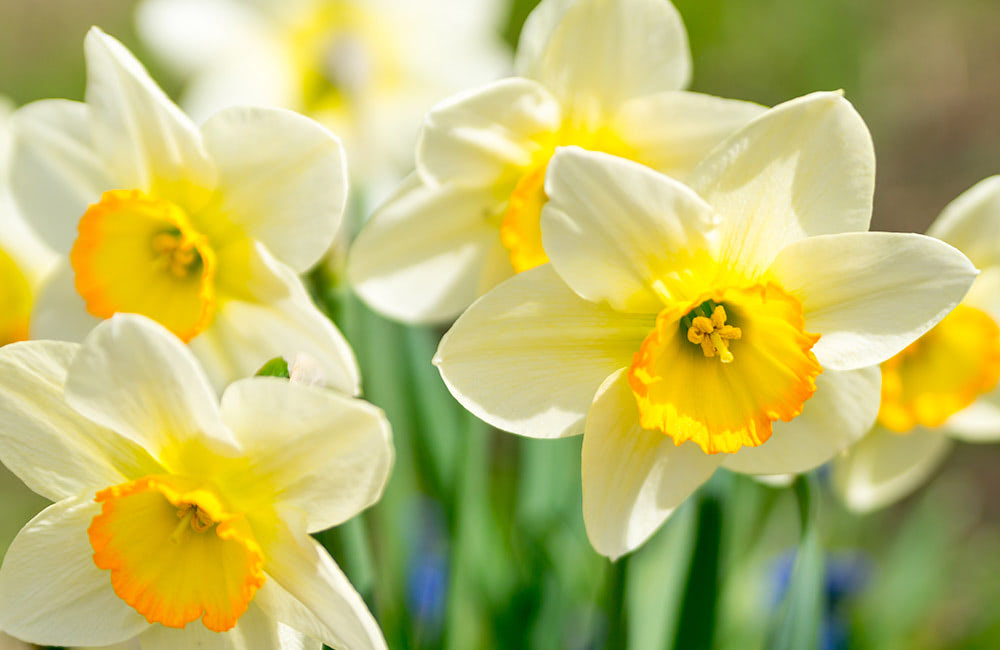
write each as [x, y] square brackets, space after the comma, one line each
[712, 334]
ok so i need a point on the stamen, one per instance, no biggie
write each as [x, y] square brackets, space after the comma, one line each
[193, 516]
[187, 517]
[176, 253]
[709, 330]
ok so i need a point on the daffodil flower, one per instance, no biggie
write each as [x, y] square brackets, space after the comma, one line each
[731, 323]
[178, 521]
[202, 230]
[605, 75]
[368, 69]
[24, 260]
[943, 386]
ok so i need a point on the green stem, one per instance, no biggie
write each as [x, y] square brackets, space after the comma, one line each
[617, 610]
[696, 624]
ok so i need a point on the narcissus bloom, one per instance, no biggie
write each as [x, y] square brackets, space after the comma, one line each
[202, 230]
[730, 323]
[368, 69]
[177, 520]
[24, 260]
[601, 74]
[943, 386]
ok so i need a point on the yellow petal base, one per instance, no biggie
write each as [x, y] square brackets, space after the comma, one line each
[942, 372]
[724, 394]
[521, 229]
[15, 301]
[175, 554]
[141, 255]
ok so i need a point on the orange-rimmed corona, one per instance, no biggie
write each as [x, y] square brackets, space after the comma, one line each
[942, 372]
[142, 255]
[176, 553]
[721, 369]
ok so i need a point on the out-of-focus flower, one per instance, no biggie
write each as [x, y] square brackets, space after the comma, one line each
[704, 314]
[202, 231]
[368, 69]
[943, 386]
[24, 260]
[601, 74]
[170, 507]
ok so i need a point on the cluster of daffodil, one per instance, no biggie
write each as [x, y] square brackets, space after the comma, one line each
[687, 281]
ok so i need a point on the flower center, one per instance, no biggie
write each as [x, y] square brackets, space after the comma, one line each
[142, 255]
[15, 301]
[341, 51]
[207, 565]
[942, 372]
[682, 391]
[706, 326]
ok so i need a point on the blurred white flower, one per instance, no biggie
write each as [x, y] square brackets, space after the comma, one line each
[178, 519]
[25, 260]
[733, 323]
[605, 75]
[944, 385]
[368, 69]
[203, 231]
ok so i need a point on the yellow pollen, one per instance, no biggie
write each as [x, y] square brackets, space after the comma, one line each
[712, 334]
[176, 254]
[191, 515]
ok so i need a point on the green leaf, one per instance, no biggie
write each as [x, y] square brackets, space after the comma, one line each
[797, 624]
[276, 367]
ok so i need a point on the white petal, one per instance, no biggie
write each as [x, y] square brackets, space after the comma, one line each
[54, 172]
[979, 422]
[143, 138]
[289, 189]
[310, 593]
[323, 453]
[134, 377]
[59, 311]
[528, 356]
[840, 412]
[971, 223]
[56, 451]
[870, 294]
[673, 131]
[633, 479]
[884, 467]
[282, 321]
[52, 593]
[597, 54]
[616, 231]
[805, 167]
[477, 137]
[254, 631]
[428, 252]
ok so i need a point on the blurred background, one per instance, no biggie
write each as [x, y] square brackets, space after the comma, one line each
[479, 542]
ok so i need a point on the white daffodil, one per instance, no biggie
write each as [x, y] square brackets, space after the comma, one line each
[24, 260]
[943, 386]
[203, 230]
[368, 69]
[731, 323]
[178, 521]
[601, 74]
